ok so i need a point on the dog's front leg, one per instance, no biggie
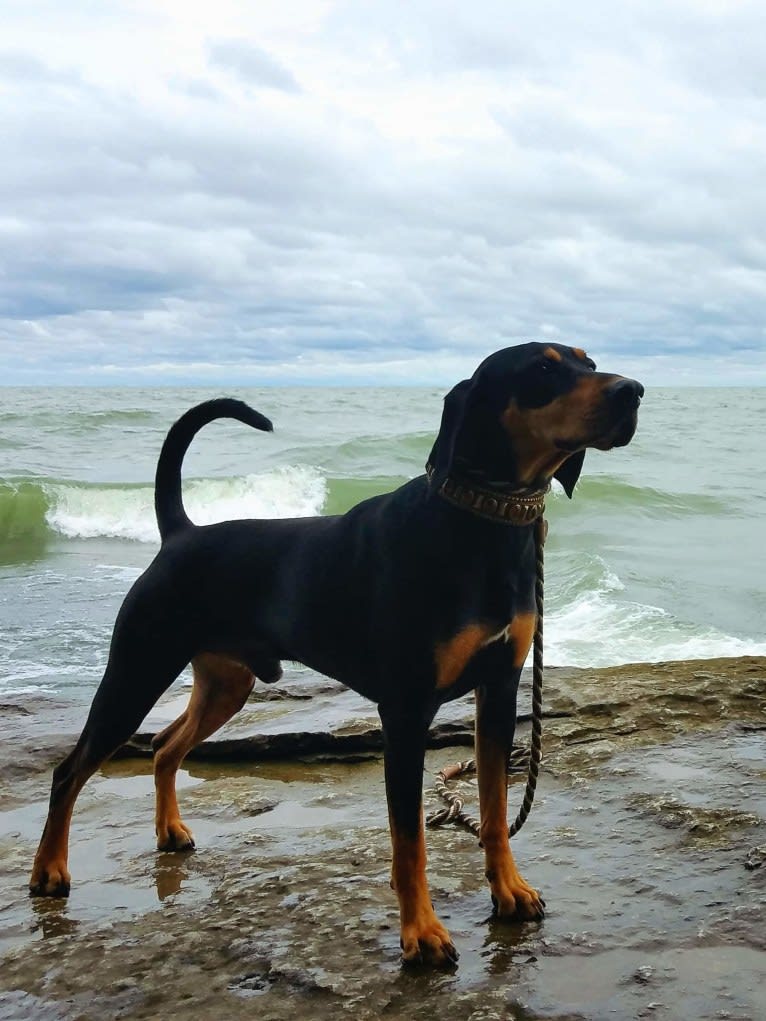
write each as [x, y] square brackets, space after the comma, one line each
[495, 725]
[423, 938]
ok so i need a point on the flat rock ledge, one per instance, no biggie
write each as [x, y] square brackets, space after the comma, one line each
[647, 840]
[650, 702]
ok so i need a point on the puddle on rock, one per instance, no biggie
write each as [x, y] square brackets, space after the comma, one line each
[287, 911]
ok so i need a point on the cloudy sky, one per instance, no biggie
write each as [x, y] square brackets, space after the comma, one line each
[385, 191]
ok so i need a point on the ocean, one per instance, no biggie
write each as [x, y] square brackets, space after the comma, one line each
[660, 555]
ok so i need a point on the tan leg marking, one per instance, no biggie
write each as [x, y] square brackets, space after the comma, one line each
[50, 872]
[221, 688]
[423, 937]
[512, 896]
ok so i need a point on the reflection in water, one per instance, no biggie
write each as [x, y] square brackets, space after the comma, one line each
[508, 945]
[52, 917]
[170, 871]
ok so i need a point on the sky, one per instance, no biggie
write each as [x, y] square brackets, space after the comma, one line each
[357, 192]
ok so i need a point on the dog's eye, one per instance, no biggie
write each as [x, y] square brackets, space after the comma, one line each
[539, 383]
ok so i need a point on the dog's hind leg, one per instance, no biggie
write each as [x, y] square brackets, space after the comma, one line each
[221, 688]
[132, 683]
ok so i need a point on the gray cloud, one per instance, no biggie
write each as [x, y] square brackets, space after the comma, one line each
[437, 187]
[26, 69]
[252, 64]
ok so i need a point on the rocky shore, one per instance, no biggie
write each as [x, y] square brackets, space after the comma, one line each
[647, 840]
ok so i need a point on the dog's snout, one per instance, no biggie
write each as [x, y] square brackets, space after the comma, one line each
[626, 392]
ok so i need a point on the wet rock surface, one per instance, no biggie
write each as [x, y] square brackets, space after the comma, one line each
[646, 839]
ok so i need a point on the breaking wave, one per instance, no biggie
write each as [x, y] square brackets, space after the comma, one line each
[590, 623]
[84, 511]
[590, 619]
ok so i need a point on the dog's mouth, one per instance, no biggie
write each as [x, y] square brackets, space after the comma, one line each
[620, 434]
[614, 426]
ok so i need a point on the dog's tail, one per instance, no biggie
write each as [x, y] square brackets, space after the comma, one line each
[168, 500]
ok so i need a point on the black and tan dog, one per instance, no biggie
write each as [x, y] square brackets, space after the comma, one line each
[412, 599]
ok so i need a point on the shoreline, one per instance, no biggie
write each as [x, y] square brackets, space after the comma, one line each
[652, 795]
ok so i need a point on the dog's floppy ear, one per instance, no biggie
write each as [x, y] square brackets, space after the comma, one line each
[453, 415]
[569, 472]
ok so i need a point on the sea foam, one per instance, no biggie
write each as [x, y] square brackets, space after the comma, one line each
[596, 627]
[122, 512]
[590, 620]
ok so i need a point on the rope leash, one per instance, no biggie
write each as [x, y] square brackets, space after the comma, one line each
[520, 757]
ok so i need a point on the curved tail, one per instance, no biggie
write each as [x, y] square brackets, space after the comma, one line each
[168, 500]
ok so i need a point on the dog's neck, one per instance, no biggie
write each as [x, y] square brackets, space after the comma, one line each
[500, 501]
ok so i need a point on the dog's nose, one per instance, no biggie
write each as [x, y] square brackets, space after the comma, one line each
[627, 392]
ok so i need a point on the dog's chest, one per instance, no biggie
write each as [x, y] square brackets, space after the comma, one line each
[453, 656]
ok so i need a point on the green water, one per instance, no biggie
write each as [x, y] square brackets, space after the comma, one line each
[660, 554]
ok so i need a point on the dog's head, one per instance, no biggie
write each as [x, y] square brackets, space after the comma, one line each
[529, 413]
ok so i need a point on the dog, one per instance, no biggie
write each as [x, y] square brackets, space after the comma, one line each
[412, 598]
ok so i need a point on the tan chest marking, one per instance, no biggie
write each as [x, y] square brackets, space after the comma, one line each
[521, 631]
[454, 655]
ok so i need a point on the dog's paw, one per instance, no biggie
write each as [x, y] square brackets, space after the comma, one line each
[174, 836]
[428, 943]
[51, 880]
[513, 897]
